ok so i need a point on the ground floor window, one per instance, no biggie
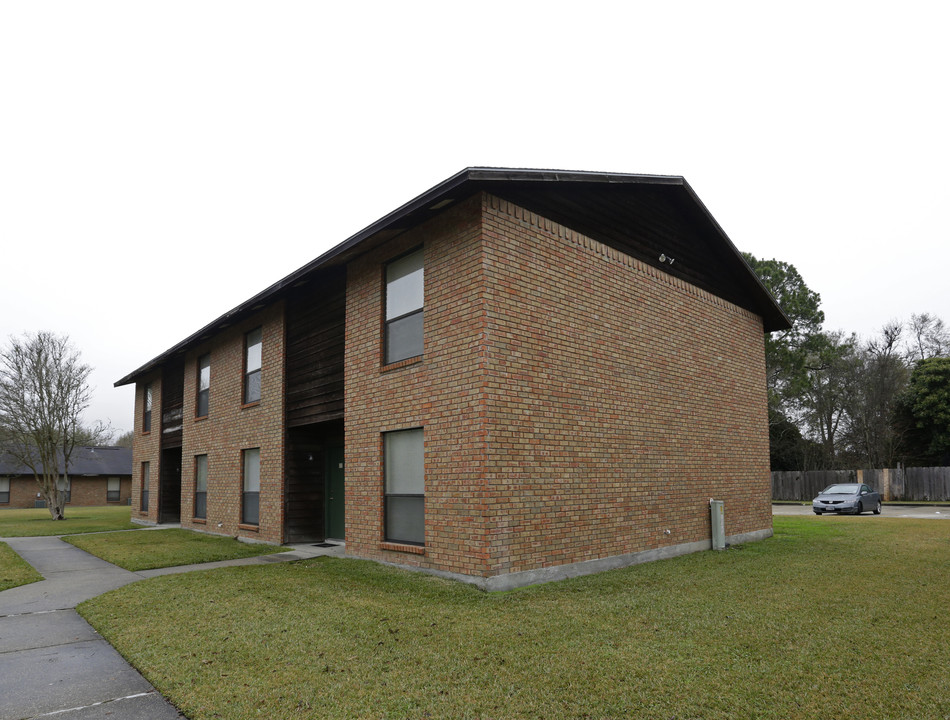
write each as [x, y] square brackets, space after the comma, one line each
[4, 489]
[201, 486]
[404, 467]
[250, 504]
[145, 482]
[112, 489]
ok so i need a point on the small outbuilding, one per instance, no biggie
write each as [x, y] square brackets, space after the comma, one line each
[97, 476]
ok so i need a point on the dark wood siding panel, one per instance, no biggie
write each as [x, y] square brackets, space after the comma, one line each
[316, 326]
[304, 493]
[173, 401]
[169, 493]
[305, 480]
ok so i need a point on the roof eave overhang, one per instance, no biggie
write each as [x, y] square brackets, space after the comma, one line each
[429, 203]
[773, 317]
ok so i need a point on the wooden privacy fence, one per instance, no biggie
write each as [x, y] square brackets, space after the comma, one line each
[913, 483]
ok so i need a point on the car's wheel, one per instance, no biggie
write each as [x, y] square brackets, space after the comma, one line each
[817, 512]
[859, 508]
[877, 508]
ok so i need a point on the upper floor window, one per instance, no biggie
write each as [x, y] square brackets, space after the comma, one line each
[147, 414]
[404, 311]
[204, 385]
[252, 366]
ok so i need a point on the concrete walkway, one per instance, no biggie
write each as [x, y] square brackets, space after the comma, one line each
[53, 664]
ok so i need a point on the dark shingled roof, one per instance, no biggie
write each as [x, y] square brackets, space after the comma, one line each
[645, 216]
[84, 461]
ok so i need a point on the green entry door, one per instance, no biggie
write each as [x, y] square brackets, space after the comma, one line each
[336, 492]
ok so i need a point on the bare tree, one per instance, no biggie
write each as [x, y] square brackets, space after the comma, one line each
[92, 435]
[929, 337]
[124, 440]
[43, 393]
[888, 343]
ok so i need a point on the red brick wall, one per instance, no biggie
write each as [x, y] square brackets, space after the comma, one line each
[441, 394]
[576, 403]
[92, 491]
[620, 400]
[146, 447]
[23, 492]
[86, 491]
[229, 428]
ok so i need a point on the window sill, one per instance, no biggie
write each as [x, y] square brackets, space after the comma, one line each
[199, 418]
[402, 363]
[252, 528]
[200, 521]
[254, 404]
[400, 547]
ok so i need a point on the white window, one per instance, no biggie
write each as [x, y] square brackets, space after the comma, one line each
[145, 482]
[147, 412]
[404, 463]
[404, 307]
[201, 486]
[253, 342]
[250, 506]
[113, 486]
[204, 386]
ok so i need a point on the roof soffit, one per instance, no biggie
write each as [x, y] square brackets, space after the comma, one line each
[645, 216]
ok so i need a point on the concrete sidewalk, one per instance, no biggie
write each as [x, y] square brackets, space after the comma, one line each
[52, 663]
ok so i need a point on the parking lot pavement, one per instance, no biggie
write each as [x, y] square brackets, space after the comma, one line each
[934, 512]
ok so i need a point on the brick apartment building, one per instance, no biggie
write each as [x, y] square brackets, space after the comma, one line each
[517, 376]
[97, 476]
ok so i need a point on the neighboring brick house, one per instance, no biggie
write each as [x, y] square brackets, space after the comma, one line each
[97, 476]
[525, 374]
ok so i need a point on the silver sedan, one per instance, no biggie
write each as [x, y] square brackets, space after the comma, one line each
[847, 498]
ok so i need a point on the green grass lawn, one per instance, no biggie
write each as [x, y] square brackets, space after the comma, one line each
[14, 570]
[831, 618]
[167, 548]
[36, 522]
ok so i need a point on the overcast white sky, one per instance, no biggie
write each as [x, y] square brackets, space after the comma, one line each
[162, 162]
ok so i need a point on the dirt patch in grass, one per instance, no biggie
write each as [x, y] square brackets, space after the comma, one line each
[823, 620]
[152, 549]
